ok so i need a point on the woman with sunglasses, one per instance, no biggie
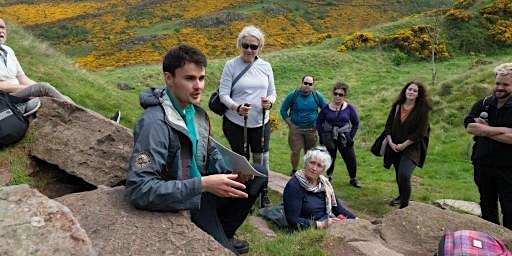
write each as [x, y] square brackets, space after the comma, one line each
[337, 124]
[309, 198]
[407, 129]
[247, 118]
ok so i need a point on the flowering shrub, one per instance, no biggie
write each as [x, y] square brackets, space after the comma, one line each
[501, 8]
[464, 4]
[458, 15]
[502, 32]
[415, 41]
[358, 40]
[275, 123]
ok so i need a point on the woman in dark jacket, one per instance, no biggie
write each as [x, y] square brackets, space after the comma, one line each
[309, 198]
[407, 129]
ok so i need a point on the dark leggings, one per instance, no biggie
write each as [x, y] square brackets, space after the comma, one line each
[403, 173]
[348, 155]
[235, 135]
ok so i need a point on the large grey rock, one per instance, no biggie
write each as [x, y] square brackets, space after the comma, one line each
[81, 142]
[356, 238]
[417, 229]
[277, 181]
[116, 228]
[464, 206]
[32, 224]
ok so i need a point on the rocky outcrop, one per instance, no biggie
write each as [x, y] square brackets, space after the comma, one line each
[116, 228]
[81, 142]
[414, 230]
[32, 224]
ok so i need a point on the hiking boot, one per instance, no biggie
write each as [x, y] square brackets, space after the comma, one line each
[264, 199]
[116, 117]
[29, 107]
[354, 183]
[241, 246]
[395, 202]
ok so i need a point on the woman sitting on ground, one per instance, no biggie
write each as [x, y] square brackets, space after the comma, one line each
[309, 198]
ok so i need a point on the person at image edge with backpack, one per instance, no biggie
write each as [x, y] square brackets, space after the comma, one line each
[490, 123]
[299, 111]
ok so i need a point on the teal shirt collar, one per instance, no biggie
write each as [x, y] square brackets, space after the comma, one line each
[188, 116]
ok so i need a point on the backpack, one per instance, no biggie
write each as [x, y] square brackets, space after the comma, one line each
[296, 94]
[275, 214]
[13, 125]
[470, 242]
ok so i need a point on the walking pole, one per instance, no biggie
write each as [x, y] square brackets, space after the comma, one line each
[246, 143]
[263, 135]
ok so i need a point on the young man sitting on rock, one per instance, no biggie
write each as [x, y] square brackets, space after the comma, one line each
[174, 164]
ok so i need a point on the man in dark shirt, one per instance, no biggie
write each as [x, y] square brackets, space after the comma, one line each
[490, 121]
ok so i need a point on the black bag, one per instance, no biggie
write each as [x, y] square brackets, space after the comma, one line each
[13, 125]
[215, 105]
[214, 102]
[275, 214]
[379, 146]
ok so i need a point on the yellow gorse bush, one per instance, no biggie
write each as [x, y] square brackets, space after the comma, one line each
[358, 40]
[458, 15]
[502, 32]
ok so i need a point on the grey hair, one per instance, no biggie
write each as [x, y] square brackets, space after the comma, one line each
[318, 152]
[503, 69]
[251, 31]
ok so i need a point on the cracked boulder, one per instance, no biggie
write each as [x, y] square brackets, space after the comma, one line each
[117, 228]
[32, 224]
[81, 142]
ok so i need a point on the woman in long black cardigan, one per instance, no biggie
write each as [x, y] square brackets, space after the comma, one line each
[407, 129]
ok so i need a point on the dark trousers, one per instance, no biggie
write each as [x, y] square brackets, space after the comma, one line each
[221, 217]
[235, 135]
[403, 173]
[349, 156]
[494, 184]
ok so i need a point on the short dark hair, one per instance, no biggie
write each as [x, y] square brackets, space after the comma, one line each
[312, 77]
[178, 56]
[340, 86]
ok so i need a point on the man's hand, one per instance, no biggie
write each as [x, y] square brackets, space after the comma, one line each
[223, 185]
[288, 121]
[479, 120]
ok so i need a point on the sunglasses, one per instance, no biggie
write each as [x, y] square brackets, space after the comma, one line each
[308, 83]
[253, 47]
[338, 94]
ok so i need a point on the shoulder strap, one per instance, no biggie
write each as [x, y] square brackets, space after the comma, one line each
[486, 103]
[294, 99]
[315, 96]
[241, 74]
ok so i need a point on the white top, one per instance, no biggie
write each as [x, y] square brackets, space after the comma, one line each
[12, 70]
[257, 82]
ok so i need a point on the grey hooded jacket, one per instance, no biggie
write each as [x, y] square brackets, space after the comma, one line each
[161, 158]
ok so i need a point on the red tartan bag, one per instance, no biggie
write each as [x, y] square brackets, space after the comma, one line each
[471, 243]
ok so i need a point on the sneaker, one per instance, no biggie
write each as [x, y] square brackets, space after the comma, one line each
[264, 199]
[29, 107]
[241, 246]
[116, 117]
[354, 183]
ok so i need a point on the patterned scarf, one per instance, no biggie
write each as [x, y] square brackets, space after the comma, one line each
[323, 186]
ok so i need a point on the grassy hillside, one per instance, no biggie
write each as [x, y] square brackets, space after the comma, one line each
[105, 34]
